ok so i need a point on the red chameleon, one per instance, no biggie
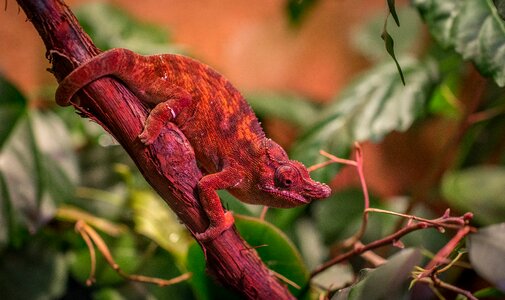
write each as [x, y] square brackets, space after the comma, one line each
[227, 138]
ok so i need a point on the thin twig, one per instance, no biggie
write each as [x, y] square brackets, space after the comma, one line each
[90, 236]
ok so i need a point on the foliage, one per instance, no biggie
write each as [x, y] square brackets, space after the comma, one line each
[56, 169]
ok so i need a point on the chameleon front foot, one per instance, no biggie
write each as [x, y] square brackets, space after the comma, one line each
[216, 228]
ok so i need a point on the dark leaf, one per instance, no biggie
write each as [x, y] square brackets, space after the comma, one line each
[36, 272]
[385, 282]
[486, 249]
[390, 48]
[392, 10]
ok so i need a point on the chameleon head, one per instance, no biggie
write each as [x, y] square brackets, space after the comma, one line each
[286, 183]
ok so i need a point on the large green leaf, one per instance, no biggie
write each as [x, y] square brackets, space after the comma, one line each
[12, 107]
[385, 282]
[375, 105]
[473, 28]
[480, 190]
[112, 27]
[486, 249]
[37, 171]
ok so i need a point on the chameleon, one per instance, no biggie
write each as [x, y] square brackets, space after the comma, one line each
[229, 143]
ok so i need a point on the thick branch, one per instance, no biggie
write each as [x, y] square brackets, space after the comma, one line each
[168, 165]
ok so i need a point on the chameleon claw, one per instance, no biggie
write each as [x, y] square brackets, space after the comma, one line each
[215, 230]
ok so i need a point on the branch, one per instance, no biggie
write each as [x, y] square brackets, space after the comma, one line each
[168, 165]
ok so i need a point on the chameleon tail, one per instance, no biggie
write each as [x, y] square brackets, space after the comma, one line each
[111, 62]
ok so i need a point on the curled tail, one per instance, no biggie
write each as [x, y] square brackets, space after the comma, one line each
[111, 62]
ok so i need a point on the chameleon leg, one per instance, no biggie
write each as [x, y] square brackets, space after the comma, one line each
[163, 113]
[219, 219]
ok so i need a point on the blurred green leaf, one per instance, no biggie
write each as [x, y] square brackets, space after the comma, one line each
[112, 27]
[295, 109]
[163, 265]
[375, 105]
[35, 272]
[338, 215]
[480, 190]
[390, 48]
[444, 101]
[385, 282]
[37, 170]
[365, 37]
[489, 292]
[154, 219]
[500, 8]
[392, 10]
[297, 10]
[12, 107]
[124, 252]
[473, 28]
[486, 249]
[204, 287]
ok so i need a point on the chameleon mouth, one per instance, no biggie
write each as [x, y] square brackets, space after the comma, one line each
[291, 197]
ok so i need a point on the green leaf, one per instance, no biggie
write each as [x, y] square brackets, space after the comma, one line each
[473, 28]
[12, 107]
[375, 105]
[123, 251]
[112, 27]
[486, 249]
[500, 8]
[37, 171]
[36, 272]
[154, 219]
[385, 282]
[480, 190]
[392, 10]
[291, 108]
[390, 48]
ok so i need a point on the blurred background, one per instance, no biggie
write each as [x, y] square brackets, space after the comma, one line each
[319, 77]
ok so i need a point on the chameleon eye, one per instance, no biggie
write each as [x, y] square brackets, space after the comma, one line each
[285, 176]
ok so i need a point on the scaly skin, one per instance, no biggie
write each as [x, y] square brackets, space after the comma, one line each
[226, 136]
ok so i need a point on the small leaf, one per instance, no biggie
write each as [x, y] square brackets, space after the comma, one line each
[375, 105]
[390, 48]
[385, 282]
[480, 190]
[392, 10]
[486, 249]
